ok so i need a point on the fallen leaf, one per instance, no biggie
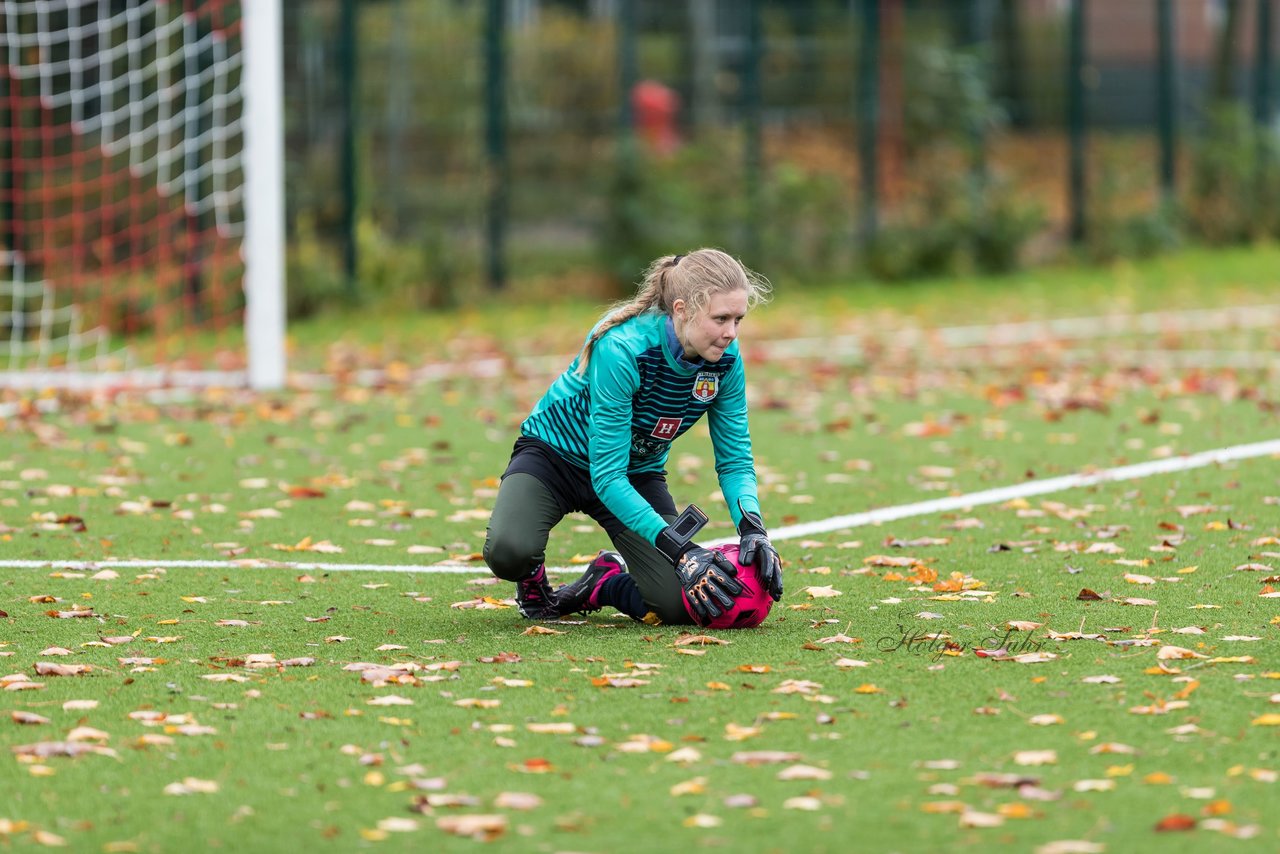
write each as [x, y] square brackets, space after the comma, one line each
[804, 772]
[541, 630]
[821, 592]
[763, 757]
[1175, 822]
[806, 803]
[699, 640]
[475, 826]
[1036, 757]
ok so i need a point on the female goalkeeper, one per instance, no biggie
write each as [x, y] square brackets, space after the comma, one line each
[598, 439]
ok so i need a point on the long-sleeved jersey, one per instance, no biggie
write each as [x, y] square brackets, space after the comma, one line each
[636, 397]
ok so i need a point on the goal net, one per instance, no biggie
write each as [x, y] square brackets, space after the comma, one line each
[140, 193]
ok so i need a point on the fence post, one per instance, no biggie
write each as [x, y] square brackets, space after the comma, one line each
[1076, 119]
[496, 140]
[348, 60]
[1166, 99]
[628, 69]
[751, 121]
[976, 33]
[1262, 92]
[1011, 61]
[867, 110]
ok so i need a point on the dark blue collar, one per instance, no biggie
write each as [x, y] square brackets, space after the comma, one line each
[677, 350]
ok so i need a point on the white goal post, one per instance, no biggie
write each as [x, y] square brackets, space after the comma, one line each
[264, 199]
[142, 193]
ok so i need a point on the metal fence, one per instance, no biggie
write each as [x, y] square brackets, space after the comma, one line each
[452, 145]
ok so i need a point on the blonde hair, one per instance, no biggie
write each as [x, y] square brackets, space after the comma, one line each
[693, 277]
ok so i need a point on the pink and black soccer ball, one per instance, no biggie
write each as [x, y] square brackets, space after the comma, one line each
[750, 607]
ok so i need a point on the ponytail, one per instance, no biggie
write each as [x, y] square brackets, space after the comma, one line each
[649, 298]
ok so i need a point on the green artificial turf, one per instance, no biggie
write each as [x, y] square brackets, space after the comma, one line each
[903, 714]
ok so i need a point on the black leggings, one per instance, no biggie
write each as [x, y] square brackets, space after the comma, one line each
[528, 507]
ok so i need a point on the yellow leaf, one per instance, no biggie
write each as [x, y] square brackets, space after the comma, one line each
[474, 703]
[696, 786]
[554, 728]
[1270, 719]
[1014, 810]
[703, 820]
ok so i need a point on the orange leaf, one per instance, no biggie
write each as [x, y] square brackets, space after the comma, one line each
[1177, 821]
[1218, 807]
[305, 492]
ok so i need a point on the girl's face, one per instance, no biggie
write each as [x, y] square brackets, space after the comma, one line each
[707, 333]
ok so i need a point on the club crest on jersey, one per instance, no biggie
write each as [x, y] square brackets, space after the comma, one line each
[705, 386]
[666, 428]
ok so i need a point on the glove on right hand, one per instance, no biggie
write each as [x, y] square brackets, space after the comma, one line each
[709, 582]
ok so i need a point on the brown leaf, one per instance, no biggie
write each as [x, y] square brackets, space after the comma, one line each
[764, 757]
[839, 637]
[475, 826]
[517, 801]
[21, 717]
[699, 640]
[50, 668]
[541, 630]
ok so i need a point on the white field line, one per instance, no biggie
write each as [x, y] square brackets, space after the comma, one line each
[1027, 489]
[789, 532]
[852, 346]
[1027, 332]
[1209, 359]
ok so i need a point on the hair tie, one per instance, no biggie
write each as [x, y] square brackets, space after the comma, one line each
[676, 260]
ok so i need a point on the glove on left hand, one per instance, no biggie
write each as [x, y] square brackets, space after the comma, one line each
[755, 549]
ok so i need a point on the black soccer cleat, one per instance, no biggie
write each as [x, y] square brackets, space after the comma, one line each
[580, 595]
[534, 597]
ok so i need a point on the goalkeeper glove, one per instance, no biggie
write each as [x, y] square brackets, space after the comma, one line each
[707, 577]
[755, 549]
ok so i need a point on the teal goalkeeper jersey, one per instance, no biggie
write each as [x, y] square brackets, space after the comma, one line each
[637, 397]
